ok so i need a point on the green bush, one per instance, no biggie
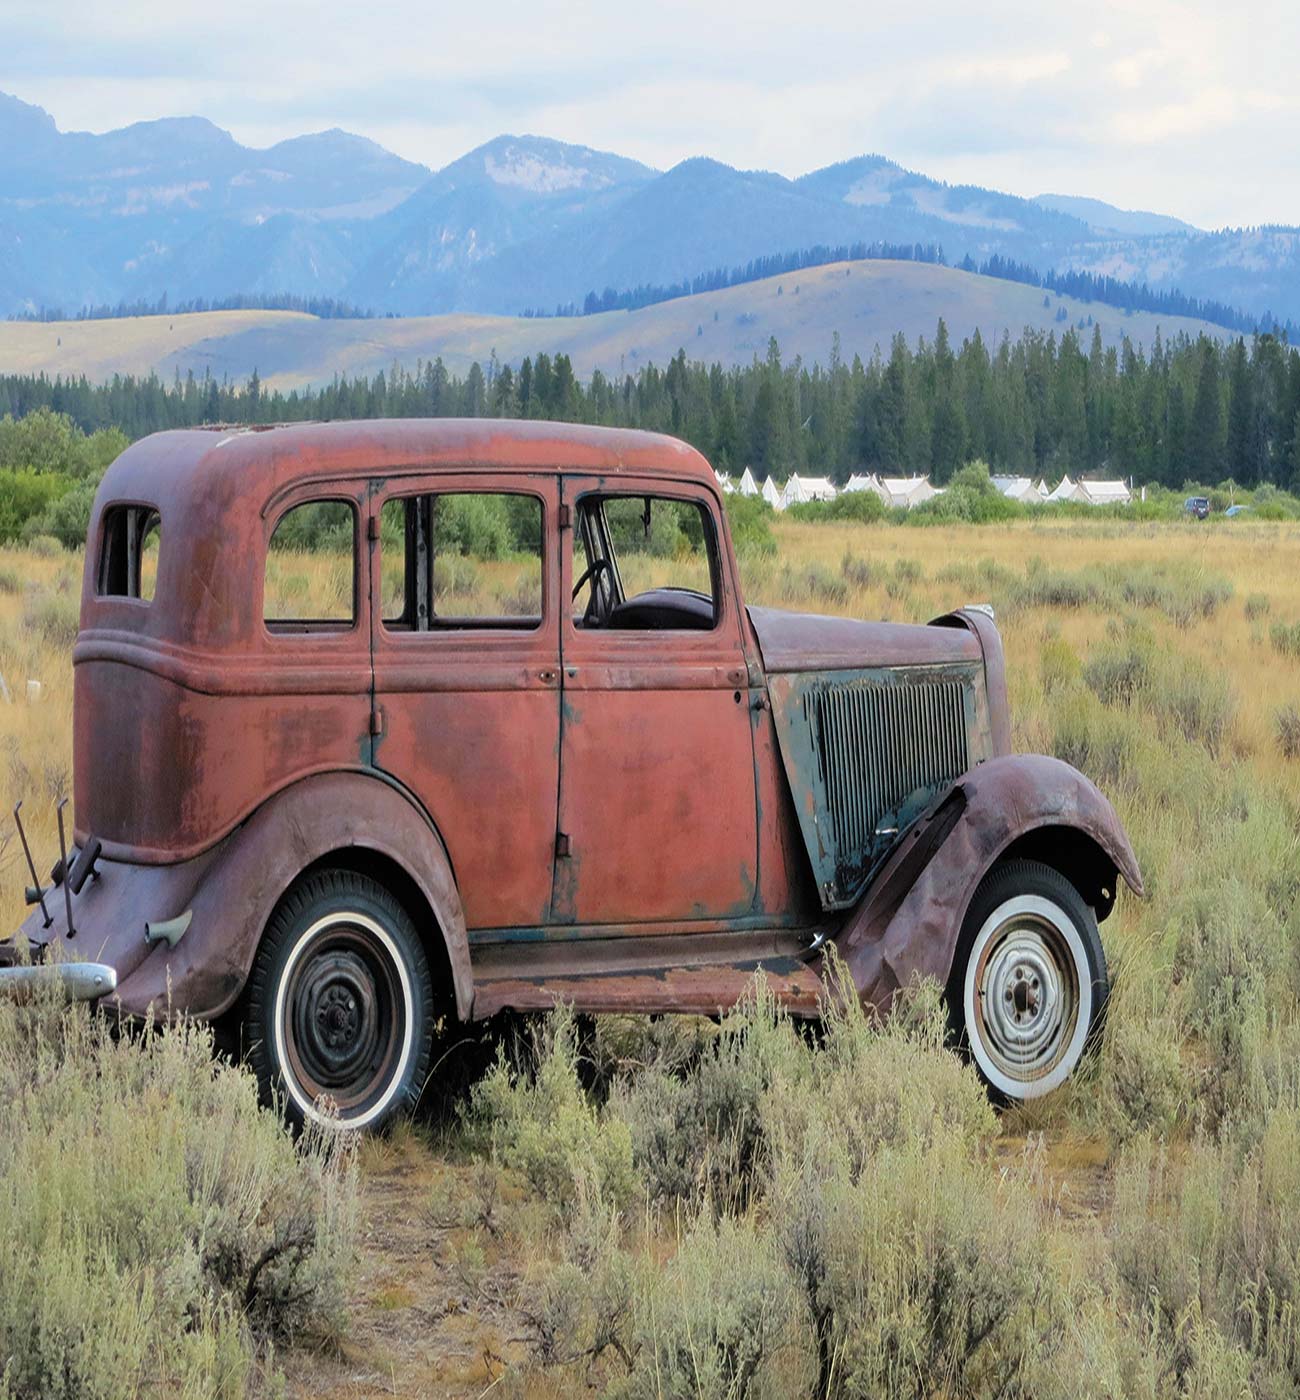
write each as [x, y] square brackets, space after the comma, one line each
[713, 1325]
[66, 519]
[540, 1122]
[750, 521]
[970, 498]
[1285, 638]
[155, 1222]
[54, 617]
[26, 495]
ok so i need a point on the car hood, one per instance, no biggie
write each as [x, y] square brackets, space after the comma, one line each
[791, 641]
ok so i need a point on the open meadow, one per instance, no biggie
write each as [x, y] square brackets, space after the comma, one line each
[676, 1209]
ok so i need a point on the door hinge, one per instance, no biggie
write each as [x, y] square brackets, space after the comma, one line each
[562, 846]
[376, 721]
[566, 517]
[372, 527]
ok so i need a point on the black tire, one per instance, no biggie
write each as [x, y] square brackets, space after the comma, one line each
[338, 1012]
[1029, 983]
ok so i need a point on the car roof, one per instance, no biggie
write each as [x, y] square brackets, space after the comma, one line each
[205, 463]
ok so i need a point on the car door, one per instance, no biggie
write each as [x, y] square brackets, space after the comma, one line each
[465, 618]
[657, 812]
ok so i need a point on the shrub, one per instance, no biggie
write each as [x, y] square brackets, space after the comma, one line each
[1286, 725]
[1257, 605]
[700, 1133]
[1057, 663]
[1146, 1085]
[54, 617]
[750, 521]
[154, 1220]
[540, 1121]
[970, 497]
[1216, 1241]
[45, 547]
[1286, 638]
[67, 518]
[25, 495]
[857, 572]
[713, 1324]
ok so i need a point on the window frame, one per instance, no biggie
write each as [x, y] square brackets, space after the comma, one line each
[504, 625]
[282, 628]
[135, 535]
[712, 545]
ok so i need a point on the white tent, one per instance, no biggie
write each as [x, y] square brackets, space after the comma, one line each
[908, 491]
[869, 482]
[1106, 493]
[748, 486]
[1017, 488]
[773, 494]
[1041, 490]
[800, 489]
[1067, 490]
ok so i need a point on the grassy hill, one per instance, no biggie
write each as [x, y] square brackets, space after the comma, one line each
[866, 302]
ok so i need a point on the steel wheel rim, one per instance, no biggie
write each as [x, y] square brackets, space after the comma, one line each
[344, 1020]
[1028, 996]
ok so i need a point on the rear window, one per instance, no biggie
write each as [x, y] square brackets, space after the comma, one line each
[311, 569]
[128, 555]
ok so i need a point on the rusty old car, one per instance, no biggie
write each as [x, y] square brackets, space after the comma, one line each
[530, 744]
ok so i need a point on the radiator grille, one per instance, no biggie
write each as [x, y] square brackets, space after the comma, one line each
[876, 743]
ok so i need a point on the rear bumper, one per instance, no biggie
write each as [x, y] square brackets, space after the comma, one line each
[110, 919]
[78, 981]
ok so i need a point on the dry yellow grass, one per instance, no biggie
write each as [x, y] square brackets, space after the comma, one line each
[1205, 1019]
[38, 601]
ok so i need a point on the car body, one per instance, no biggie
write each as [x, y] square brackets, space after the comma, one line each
[401, 813]
[1198, 507]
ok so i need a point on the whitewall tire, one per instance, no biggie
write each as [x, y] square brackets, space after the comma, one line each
[1029, 982]
[338, 1008]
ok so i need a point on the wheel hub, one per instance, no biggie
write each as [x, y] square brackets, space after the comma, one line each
[1024, 999]
[336, 1021]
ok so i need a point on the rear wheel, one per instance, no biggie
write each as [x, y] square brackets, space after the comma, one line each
[1029, 983]
[338, 1014]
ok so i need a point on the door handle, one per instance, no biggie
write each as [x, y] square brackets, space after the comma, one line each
[548, 676]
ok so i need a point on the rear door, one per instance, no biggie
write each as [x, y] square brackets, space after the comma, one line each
[465, 618]
[657, 811]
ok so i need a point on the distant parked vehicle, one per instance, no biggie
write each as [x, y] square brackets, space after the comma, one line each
[1198, 507]
[1234, 511]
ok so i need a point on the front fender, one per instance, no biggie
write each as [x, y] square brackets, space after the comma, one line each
[233, 889]
[908, 922]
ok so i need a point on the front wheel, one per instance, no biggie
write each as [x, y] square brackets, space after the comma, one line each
[1029, 983]
[337, 1015]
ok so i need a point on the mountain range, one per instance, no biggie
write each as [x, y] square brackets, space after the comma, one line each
[179, 207]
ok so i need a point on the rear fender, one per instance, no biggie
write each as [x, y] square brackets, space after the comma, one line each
[908, 922]
[243, 880]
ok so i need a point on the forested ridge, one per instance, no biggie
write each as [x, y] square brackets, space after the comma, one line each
[1200, 410]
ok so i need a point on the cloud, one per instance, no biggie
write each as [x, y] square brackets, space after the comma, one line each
[1181, 105]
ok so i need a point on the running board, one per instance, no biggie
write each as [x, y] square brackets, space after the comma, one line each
[709, 990]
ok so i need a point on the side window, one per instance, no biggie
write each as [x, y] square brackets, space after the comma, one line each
[311, 569]
[462, 559]
[645, 563]
[128, 560]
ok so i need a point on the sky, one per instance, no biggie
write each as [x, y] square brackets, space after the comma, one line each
[1191, 109]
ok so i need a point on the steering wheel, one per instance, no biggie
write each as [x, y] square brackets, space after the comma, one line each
[598, 567]
[591, 575]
